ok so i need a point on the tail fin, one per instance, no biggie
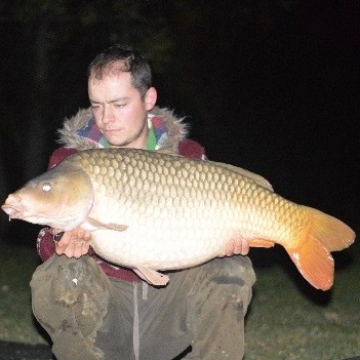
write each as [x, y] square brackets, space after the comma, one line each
[331, 231]
[312, 257]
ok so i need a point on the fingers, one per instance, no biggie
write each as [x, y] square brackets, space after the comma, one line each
[73, 243]
[245, 248]
[229, 249]
[237, 246]
[76, 248]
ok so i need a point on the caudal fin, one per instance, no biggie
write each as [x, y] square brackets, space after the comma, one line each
[312, 255]
[331, 231]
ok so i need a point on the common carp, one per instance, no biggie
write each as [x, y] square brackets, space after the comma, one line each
[154, 211]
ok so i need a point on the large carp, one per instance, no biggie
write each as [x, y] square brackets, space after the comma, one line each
[154, 211]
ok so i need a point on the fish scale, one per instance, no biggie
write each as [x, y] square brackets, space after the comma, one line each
[173, 222]
[153, 211]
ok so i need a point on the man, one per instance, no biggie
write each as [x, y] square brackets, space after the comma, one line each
[94, 310]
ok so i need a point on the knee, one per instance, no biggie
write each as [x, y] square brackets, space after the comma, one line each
[69, 294]
[233, 270]
[67, 282]
[232, 279]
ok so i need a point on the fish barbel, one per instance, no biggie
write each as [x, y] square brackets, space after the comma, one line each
[154, 211]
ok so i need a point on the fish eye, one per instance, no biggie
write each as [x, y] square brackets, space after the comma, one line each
[46, 187]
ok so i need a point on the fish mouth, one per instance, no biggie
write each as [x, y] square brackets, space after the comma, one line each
[13, 207]
[13, 212]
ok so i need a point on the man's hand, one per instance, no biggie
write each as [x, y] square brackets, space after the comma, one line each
[237, 246]
[74, 243]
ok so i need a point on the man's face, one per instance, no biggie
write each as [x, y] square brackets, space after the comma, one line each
[119, 109]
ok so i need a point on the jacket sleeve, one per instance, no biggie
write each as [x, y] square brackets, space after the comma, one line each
[45, 244]
[191, 149]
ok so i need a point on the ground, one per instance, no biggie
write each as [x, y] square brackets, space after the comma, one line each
[17, 351]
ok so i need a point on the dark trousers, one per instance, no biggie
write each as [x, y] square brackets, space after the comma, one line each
[90, 316]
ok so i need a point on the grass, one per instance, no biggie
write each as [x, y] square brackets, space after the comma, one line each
[16, 320]
[287, 320]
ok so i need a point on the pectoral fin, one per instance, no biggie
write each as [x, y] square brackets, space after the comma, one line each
[111, 226]
[151, 276]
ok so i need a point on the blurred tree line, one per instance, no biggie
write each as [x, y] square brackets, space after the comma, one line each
[245, 72]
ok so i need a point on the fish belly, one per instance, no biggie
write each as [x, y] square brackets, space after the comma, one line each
[165, 237]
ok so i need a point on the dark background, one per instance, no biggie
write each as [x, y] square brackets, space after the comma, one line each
[271, 86]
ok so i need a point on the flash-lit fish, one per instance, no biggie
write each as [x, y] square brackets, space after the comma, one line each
[152, 211]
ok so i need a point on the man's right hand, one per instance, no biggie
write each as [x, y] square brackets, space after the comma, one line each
[74, 243]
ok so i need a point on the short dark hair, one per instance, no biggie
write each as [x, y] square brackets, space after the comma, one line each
[129, 60]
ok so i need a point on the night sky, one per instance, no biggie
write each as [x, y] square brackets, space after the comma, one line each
[294, 110]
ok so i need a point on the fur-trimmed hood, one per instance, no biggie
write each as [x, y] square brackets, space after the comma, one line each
[71, 133]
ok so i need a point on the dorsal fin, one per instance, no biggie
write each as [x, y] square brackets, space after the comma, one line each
[257, 178]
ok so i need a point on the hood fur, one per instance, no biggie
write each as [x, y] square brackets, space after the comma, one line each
[177, 129]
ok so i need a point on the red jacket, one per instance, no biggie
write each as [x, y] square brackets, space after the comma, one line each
[45, 244]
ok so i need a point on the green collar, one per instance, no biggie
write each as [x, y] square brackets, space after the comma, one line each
[151, 141]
